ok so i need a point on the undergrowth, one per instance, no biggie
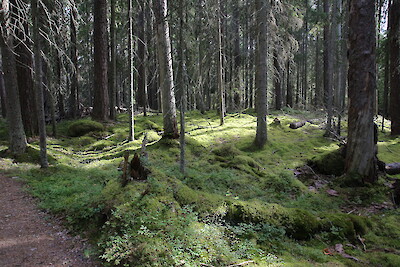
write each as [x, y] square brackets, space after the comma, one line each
[234, 203]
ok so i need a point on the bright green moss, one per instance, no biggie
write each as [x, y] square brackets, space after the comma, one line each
[82, 127]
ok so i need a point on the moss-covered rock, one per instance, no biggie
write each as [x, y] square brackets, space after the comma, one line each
[82, 127]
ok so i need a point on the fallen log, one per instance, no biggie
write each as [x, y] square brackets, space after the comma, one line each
[392, 168]
[296, 125]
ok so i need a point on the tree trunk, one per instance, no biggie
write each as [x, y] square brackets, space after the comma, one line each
[101, 105]
[2, 92]
[261, 73]
[394, 46]
[278, 83]
[73, 101]
[328, 68]
[221, 86]
[289, 90]
[361, 148]
[131, 75]
[113, 63]
[142, 58]
[37, 44]
[25, 81]
[17, 138]
[165, 69]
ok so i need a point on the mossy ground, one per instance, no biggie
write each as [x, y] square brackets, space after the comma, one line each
[234, 202]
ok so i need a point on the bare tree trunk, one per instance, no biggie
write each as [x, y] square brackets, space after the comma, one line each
[394, 46]
[361, 147]
[221, 86]
[328, 68]
[289, 90]
[131, 75]
[37, 44]
[16, 131]
[165, 69]
[278, 83]
[113, 63]
[182, 89]
[25, 79]
[2, 92]
[142, 58]
[101, 104]
[73, 101]
[261, 73]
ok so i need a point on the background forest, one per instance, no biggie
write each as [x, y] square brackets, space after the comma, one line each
[287, 142]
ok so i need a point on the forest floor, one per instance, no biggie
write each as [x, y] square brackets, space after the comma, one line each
[30, 237]
[287, 204]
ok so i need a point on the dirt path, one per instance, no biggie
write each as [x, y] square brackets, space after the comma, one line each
[27, 238]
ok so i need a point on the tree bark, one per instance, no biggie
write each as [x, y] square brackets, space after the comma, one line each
[131, 74]
[328, 68]
[37, 44]
[101, 105]
[113, 63]
[394, 46]
[361, 148]
[17, 137]
[165, 69]
[142, 58]
[278, 83]
[261, 73]
[221, 85]
[2, 92]
[73, 101]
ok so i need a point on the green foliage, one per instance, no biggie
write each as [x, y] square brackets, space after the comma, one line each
[223, 209]
[82, 127]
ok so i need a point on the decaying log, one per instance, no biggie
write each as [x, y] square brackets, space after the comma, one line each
[296, 125]
[392, 168]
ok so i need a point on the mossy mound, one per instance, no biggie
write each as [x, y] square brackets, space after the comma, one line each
[82, 127]
[342, 226]
[31, 155]
[331, 163]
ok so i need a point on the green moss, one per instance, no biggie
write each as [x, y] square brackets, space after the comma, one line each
[227, 150]
[342, 226]
[101, 144]
[151, 125]
[329, 163]
[82, 127]
[301, 224]
[31, 155]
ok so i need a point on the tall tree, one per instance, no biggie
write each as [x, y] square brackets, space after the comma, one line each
[142, 58]
[261, 73]
[100, 102]
[17, 137]
[361, 146]
[2, 92]
[113, 62]
[37, 44]
[131, 74]
[221, 87]
[328, 67]
[164, 52]
[394, 51]
[73, 101]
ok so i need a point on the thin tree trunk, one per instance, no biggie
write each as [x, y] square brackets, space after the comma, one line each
[131, 75]
[39, 83]
[394, 46]
[142, 58]
[289, 90]
[113, 63]
[328, 68]
[278, 83]
[221, 86]
[261, 73]
[73, 101]
[361, 147]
